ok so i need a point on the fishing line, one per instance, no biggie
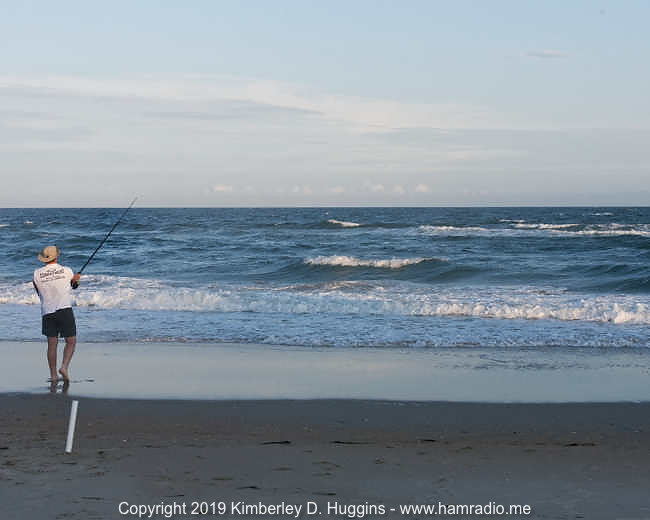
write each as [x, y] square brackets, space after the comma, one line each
[76, 284]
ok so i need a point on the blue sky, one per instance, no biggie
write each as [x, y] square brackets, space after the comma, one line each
[302, 103]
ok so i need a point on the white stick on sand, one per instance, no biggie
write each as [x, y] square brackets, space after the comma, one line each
[71, 426]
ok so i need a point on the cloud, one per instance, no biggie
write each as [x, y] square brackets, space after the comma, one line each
[547, 54]
[248, 98]
[305, 190]
[373, 187]
[255, 136]
[230, 109]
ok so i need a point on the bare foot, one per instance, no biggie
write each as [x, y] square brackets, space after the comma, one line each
[64, 373]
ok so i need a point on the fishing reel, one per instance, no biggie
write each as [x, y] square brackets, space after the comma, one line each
[74, 284]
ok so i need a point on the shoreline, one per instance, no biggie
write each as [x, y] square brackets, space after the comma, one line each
[254, 371]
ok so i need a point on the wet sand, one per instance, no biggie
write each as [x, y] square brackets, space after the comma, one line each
[232, 371]
[566, 461]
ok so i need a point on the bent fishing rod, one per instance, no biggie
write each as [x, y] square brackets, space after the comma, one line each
[76, 284]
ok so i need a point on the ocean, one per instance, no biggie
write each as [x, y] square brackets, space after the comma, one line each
[422, 278]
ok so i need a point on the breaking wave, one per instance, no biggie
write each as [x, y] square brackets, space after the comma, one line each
[343, 223]
[371, 299]
[545, 229]
[351, 261]
[523, 225]
[611, 230]
[453, 230]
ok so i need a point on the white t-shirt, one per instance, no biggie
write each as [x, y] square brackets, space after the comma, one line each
[53, 284]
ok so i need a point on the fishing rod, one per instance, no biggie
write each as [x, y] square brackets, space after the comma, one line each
[76, 284]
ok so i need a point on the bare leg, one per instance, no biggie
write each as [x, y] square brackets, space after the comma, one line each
[51, 357]
[67, 356]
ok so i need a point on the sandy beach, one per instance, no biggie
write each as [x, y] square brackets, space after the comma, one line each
[563, 460]
[565, 432]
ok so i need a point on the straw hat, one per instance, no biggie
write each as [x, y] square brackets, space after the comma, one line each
[48, 254]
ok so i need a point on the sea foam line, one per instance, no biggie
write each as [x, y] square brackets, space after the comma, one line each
[351, 261]
[544, 226]
[107, 292]
[550, 230]
[611, 230]
[453, 229]
[343, 223]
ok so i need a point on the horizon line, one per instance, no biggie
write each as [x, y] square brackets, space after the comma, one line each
[359, 206]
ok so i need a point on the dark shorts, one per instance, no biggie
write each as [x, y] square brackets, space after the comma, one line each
[59, 323]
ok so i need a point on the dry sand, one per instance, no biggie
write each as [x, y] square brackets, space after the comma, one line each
[566, 461]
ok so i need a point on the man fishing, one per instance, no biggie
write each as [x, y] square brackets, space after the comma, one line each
[54, 284]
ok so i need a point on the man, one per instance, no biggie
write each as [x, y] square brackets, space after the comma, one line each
[53, 284]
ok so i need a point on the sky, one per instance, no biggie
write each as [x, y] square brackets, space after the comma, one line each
[303, 103]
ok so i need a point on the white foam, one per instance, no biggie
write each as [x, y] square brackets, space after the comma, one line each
[351, 261]
[451, 230]
[22, 294]
[371, 299]
[343, 223]
[4, 225]
[545, 226]
[532, 229]
[28, 222]
[533, 310]
[612, 230]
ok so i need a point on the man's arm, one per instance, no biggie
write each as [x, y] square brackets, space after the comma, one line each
[75, 280]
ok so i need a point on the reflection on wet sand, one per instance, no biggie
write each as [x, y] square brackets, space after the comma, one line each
[209, 371]
[64, 387]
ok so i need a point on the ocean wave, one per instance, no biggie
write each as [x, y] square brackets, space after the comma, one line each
[343, 223]
[372, 299]
[453, 230]
[613, 229]
[351, 261]
[541, 229]
[545, 226]
[616, 314]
